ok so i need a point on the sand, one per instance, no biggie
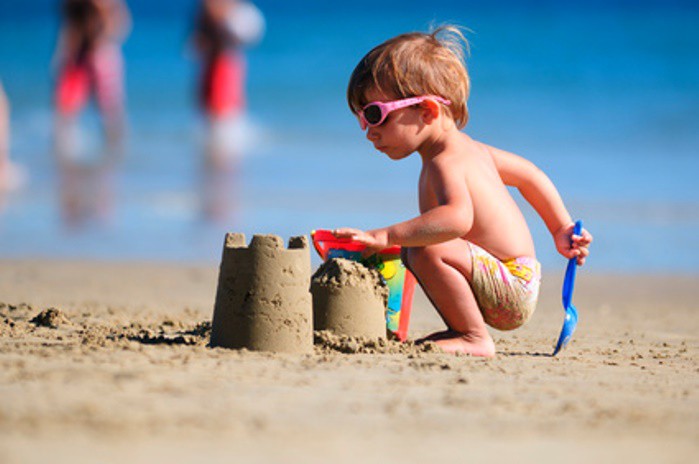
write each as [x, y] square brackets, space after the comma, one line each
[262, 298]
[107, 362]
[349, 299]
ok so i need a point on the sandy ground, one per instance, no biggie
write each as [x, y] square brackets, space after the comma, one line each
[120, 372]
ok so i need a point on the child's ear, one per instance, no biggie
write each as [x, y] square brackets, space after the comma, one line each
[430, 111]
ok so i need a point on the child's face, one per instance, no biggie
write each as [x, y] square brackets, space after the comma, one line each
[400, 134]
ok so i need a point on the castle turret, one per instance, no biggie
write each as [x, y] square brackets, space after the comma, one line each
[263, 301]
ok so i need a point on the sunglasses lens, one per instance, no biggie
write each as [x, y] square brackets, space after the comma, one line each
[372, 114]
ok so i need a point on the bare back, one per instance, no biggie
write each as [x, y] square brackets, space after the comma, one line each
[498, 225]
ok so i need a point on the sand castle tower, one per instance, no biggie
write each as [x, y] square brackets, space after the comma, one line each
[263, 301]
[349, 299]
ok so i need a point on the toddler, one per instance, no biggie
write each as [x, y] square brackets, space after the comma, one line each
[470, 248]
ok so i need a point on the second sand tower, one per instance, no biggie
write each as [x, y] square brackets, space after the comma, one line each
[349, 299]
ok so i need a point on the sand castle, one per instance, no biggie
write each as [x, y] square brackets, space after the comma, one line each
[349, 299]
[263, 301]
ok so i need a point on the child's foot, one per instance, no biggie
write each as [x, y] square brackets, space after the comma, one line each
[436, 336]
[454, 342]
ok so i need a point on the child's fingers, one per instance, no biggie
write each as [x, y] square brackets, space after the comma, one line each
[584, 252]
[580, 247]
[581, 240]
[345, 232]
[576, 246]
[585, 237]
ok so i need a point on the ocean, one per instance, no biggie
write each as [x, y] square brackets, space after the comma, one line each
[603, 96]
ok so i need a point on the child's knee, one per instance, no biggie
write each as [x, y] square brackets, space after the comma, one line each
[416, 258]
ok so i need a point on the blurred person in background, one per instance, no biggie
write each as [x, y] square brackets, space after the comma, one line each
[222, 29]
[90, 65]
[11, 175]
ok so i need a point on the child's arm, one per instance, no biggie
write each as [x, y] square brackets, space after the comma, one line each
[450, 219]
[541, 193]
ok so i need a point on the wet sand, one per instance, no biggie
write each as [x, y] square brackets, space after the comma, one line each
[107, 362]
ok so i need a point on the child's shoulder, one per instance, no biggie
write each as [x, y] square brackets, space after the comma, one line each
[462, 153]
[493, 152]
[469, 147]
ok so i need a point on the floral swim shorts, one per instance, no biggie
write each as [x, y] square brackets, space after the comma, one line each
[506, 291]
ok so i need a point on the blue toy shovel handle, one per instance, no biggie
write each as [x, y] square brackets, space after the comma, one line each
[569, 280]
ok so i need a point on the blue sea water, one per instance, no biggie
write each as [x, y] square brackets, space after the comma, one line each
[603, 96]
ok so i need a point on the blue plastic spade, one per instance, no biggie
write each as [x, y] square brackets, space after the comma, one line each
[571, 320]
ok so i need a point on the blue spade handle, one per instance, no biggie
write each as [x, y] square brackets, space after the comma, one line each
[569, 280]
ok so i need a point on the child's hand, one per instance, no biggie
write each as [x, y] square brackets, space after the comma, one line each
[573, 246]
[374, 240]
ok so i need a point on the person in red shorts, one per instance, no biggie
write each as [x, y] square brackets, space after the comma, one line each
[90, 63]
[223, 28]
[12, 175]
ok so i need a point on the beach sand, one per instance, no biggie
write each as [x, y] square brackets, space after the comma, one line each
[119, 371]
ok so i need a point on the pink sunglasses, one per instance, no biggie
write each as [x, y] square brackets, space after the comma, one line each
[375, 113]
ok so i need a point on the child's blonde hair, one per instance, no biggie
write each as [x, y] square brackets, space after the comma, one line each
[415, 64]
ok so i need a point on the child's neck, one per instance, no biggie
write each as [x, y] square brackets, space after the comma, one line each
[442, 134]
